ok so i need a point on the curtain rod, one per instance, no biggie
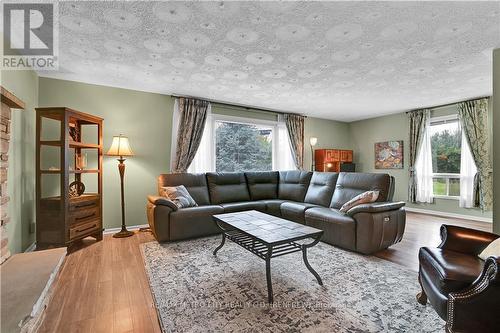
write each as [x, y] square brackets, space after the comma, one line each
[243, 106]
[449, 104]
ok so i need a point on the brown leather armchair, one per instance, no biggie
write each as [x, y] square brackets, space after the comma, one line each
[463, 289]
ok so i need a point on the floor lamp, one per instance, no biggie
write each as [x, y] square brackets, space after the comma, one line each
[120, 147]
[312, 141]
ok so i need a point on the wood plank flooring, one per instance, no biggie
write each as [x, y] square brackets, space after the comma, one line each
[103, 285]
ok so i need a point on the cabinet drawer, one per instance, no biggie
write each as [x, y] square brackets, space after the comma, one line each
[84, 214]
[83, 229]
[83, 203]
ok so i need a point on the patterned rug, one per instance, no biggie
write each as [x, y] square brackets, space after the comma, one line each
[195, 291]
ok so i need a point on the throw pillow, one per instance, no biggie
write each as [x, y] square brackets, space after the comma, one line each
[491, 250]
[365, 197]
[179, 195]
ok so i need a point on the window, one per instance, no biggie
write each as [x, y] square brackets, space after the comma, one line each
[243, 146]
[235, 144]
[446, 146]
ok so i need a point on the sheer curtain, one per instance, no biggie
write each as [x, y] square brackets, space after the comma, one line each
[423, 167]
[283, 159]
[204, 160]
[468, 171]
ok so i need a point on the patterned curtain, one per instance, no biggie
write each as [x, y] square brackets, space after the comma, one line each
[474, 119]
[417, 120]
[192, 117]
[295, 126]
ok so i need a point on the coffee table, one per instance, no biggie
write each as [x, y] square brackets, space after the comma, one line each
[267, 237]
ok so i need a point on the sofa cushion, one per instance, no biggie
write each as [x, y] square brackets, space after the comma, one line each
[232, 207]
[321, 188]
[227, 187]
[194, 222]
[452, 271]
[339, 229]
[294, 211]
[262, 185]
[350, 184]
[195, 184]
[363, 198]
[273, 206]
[293, 185]
[179, 195]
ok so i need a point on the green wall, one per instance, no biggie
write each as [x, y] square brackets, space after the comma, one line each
[21, 173]
[146, 118]
[496, 141]
[330, 134]
[365, 133]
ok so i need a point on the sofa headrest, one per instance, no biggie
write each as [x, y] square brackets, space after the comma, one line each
[293, 185]
[195, 183]
[350, 184]
[262, 185]
[321, 188]
[227, 187]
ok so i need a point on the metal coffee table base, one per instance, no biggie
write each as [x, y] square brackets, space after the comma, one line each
[266, 252]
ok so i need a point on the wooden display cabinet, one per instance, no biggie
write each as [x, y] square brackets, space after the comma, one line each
[64, 137]
[329, 160]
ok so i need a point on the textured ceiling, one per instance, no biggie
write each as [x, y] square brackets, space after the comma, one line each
[335, 60]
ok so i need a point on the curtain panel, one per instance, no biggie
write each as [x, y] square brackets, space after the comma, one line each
[474, 119]
[295, 126]
[192, 117]
[417, 123]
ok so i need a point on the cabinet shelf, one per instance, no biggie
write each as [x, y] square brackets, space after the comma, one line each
[62, 220]
[70, 171]
[72, 144]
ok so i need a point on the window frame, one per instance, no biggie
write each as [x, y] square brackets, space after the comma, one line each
[437, 121]
[245, 121]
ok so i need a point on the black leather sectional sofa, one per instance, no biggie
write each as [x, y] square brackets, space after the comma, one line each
[305, 197]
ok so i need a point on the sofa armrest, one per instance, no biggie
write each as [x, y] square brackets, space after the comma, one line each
[157, 200]
[375, 207]
[475, 308]
[465, 240]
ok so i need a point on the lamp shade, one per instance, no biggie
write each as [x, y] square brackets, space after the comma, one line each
[120, 147]
[313, 141]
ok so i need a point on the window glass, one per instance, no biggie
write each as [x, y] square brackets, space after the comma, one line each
[446, 141]
[243, 147]
[446, 144]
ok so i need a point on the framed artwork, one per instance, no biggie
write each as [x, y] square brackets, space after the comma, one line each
[389, 155]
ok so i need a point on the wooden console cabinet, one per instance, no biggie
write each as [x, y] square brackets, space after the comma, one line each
[62, 218]
[329, 160]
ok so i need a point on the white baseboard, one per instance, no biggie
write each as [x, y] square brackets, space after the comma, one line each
[452, 215]
[31, 248]
[131, 227]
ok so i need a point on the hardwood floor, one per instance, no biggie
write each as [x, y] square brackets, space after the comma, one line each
[103, 285]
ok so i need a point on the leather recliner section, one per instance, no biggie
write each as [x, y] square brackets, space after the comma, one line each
[321, 188]
[194, 222]
[227, 187]
[338, 229]
[293, 185]
[195, 183]
[351, 184]
[295, 211]
[262, 185]
[376, 231]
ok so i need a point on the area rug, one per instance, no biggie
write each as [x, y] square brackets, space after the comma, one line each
[195, 291]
